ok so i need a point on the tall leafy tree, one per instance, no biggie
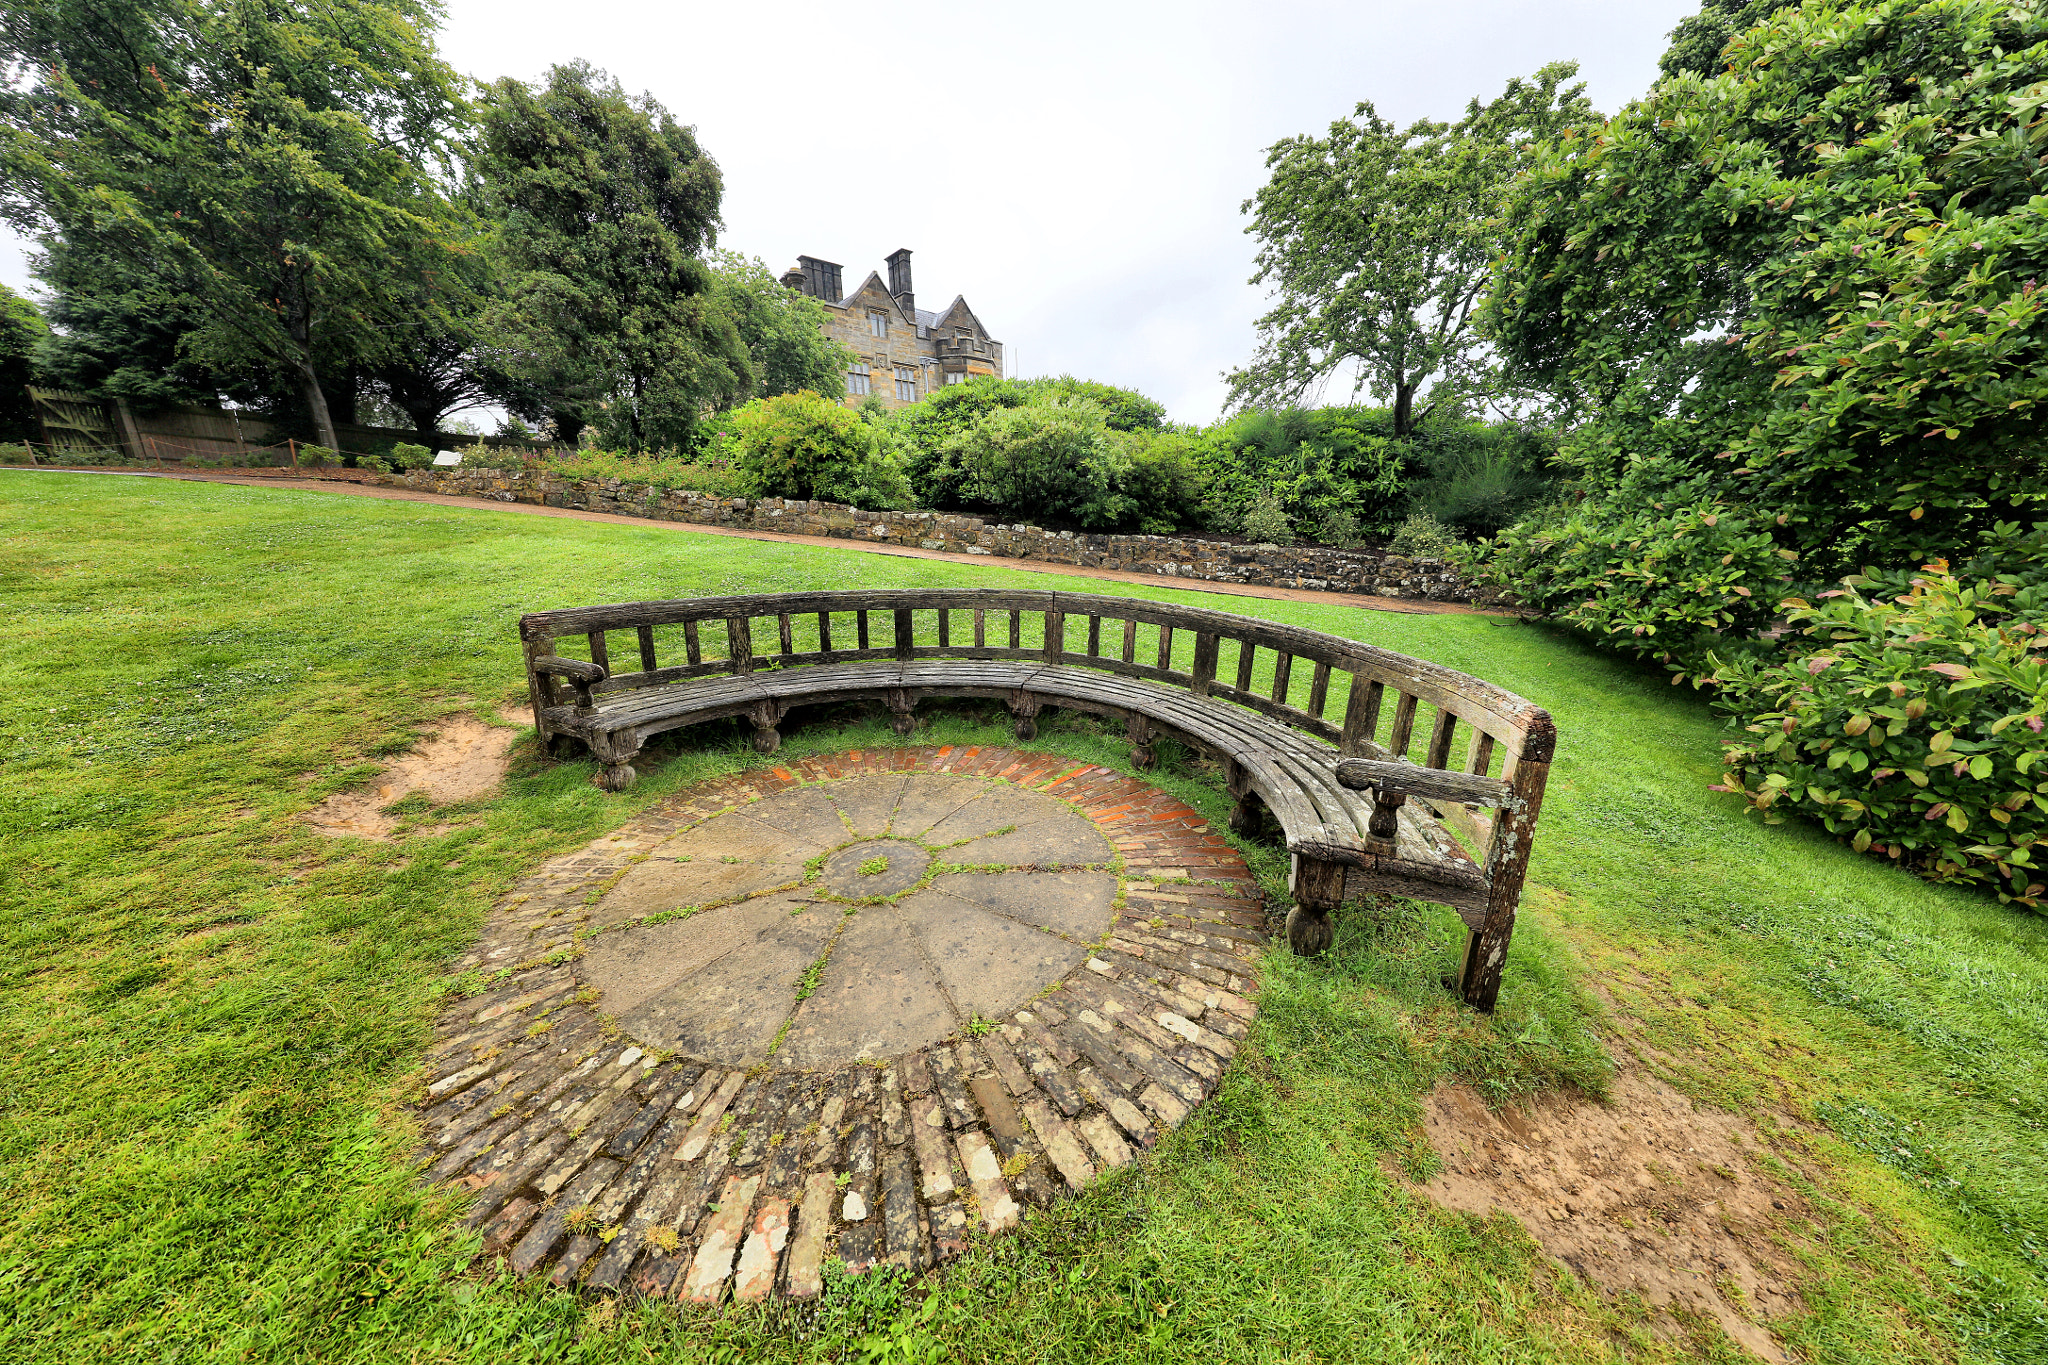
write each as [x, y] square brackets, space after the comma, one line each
[603, 205]
[270, 160]
[1809, 284]
[784, 331]
[1377, 242]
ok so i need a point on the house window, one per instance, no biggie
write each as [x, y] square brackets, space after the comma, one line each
[906, 384]
[956, 377]
[857, 380]
[878, 324]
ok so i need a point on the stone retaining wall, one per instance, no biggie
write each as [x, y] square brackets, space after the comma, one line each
[1374, 573]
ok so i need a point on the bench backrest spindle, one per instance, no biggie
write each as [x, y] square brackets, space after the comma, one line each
[1404, 725]
[739, 639]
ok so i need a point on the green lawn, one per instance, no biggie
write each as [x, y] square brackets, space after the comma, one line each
[212, 1019]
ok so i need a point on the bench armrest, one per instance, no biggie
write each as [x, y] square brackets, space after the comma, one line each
[580, 675]
[1432, 784]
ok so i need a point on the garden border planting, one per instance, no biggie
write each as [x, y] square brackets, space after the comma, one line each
[1373, 573]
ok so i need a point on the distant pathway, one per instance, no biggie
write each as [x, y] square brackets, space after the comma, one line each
[1403, 605]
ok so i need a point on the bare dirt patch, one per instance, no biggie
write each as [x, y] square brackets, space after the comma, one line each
[466, 759]
[1646, 1195]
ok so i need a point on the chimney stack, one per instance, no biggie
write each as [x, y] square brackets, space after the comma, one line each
[899, 282]
[821, 278]
[793, 278]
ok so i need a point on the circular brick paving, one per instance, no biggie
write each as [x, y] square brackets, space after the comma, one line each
[858, 1007]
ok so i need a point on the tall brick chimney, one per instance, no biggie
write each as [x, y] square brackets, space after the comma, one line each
[899, 281]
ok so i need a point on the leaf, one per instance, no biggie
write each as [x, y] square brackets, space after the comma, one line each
[1956, 671]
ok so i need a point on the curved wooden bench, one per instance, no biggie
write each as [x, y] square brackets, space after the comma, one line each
[1318, 728]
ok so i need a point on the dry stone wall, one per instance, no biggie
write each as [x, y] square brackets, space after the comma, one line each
[1374, 573]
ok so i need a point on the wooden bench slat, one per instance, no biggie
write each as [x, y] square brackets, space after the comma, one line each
[1319, 690]
[647, 649]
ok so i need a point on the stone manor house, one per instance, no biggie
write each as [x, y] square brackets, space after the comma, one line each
[901, 351]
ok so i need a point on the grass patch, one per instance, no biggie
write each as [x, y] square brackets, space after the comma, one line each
[213, 1018]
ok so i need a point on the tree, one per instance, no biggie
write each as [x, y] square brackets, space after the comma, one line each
[783, 330]
[267, 160]
[602, 204]
[119, 329]
[22, 334]
[1378, 242]
[1808, 286]
[1697, 42]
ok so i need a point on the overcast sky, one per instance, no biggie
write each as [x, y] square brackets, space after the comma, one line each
[1074, 169]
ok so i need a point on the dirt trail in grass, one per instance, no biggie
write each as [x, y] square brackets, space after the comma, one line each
[1645, 1195]
[464, 760]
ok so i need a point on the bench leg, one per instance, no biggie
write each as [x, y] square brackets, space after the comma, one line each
[1244, 817]
[901, 706]
[1023, 716]
[766, 716]
[1486, 951]
[1140, 731]
[1318, 888]
[617, 752]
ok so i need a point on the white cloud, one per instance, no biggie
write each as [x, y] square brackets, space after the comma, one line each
[1074, 169]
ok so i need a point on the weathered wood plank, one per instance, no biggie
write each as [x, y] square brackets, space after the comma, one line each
[1283, 668]
[739, 639]
[694, 650]
[1404, 725]
[1319, 690]
[1434, 784]
[1130, 641]
[1440, 740]
[646, 649]
[1361, 715]
[782, 630]
[1246, 652]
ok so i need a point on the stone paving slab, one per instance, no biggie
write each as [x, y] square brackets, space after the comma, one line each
[775, 1020]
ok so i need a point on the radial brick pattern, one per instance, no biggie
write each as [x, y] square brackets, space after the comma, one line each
[859, 1007]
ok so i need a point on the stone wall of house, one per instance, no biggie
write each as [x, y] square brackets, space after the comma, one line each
[1374, 573]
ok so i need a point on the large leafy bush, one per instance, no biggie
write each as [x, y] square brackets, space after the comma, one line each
[1810, 282]
[1911, 725]
[1666, 567]
[799, 445]
[1055, 463]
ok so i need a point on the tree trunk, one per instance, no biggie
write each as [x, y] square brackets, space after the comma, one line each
[316, 399]
[568, 426]
[1404, 410]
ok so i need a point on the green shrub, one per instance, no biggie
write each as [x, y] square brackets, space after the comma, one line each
[1162, 481]
[659, 472]
[1422, 536]
[1478, 487]
[1051, 463]
[317, 457]
[405, 457]
[799, 445]
[16, 454]
[1659, 566]
[1912, 727]
[1265, 521]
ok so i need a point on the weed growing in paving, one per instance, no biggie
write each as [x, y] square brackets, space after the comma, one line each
[214, 1016]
